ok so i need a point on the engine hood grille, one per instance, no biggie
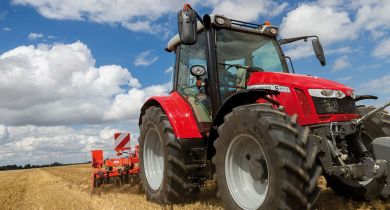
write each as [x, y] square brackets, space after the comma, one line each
[334, 105]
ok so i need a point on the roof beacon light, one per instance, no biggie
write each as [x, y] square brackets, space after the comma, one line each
[267, 23]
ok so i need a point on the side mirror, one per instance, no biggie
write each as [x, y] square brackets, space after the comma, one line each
[318, 50]
[187, 26]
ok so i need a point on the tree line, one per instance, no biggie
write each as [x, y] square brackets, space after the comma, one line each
[28, 166]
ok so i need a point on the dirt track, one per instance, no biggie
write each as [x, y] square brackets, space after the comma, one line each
[68, 188]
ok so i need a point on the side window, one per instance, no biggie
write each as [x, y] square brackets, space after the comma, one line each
[191, 55]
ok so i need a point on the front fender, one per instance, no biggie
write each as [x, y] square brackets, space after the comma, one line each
[179, 113]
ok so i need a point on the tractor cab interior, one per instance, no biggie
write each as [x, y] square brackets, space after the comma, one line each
[236, 51]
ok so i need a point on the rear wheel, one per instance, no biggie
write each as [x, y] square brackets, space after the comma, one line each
[261, 161]
[365, 188]
[163, 172]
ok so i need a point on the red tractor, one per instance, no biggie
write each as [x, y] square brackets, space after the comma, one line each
[237, 115]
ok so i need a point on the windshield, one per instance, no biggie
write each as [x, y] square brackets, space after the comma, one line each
[237, 50]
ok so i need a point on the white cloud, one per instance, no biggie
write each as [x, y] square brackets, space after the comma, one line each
[60, 85]
[121, 108]
[374, 15]
[7, 29]
[335, 21]
[47, 90]
[41, 144]
[382, 50]
[299, 51]
[340, 64]
[134, 15]
[345, 79]
[340, 50]
[168, 70]
[330, 24]
[249, 10]
[144, 15]
[332, 3]
[145, 59]
[369, 67]
[35, 36]
[326, 22]
[374, 85]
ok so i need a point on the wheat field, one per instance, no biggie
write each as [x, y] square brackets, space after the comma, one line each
[68, 187]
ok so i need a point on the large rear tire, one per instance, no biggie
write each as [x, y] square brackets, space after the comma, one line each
[377, 126]
[163, 172]
[262, 162]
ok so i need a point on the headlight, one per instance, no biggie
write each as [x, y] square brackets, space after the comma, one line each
[273, 31]
[353, 94]
[270, 30]
[220, 20]
[325, 93]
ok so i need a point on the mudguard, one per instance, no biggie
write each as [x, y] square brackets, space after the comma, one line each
[381, 149]
[179, 113]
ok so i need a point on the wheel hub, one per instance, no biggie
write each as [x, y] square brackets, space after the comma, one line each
[258, 169]
[246, 171]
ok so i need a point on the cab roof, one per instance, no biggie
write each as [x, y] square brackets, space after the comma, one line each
[228, 23]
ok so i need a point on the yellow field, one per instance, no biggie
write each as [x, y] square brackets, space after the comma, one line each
[68, 187]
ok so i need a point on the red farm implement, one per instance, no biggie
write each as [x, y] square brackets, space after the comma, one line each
[118, 171]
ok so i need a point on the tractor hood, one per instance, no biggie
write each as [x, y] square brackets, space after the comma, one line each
[296, 81]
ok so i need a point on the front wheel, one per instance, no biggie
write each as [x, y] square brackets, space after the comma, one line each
[262, 162]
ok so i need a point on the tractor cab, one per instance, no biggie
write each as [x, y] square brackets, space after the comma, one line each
[241, 49]
[226, 52]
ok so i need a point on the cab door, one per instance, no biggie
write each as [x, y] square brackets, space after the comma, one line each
[186, 84]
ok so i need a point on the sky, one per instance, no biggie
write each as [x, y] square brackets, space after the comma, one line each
[74, 72]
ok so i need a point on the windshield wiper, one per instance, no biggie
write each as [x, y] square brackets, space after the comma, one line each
[248, 68]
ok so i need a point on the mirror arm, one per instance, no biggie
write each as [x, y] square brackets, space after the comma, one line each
[290, 40]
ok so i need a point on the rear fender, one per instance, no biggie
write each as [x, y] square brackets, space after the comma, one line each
[179, 113]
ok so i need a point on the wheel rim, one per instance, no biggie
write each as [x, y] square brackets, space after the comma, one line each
[153, 159]
[248, 191]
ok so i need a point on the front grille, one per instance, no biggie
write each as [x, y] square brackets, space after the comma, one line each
[334, 105]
